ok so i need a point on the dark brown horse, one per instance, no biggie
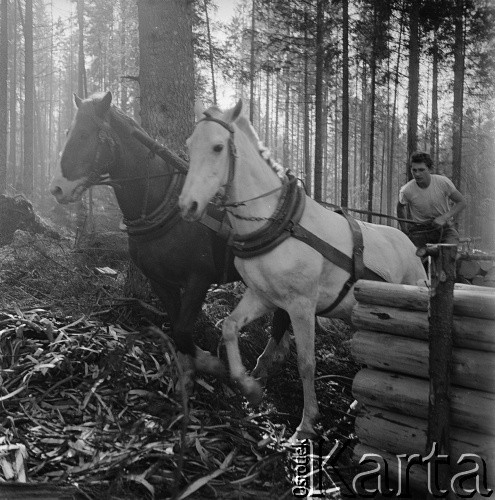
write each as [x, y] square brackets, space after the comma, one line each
[181, 259]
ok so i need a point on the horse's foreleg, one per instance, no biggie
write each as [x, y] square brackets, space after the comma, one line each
[303, 324]
[170, 297]
[192, 300]
[276, 350]
[249, 308]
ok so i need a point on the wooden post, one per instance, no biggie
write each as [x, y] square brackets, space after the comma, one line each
[441, 307]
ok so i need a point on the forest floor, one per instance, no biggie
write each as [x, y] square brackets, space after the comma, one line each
[88, 394]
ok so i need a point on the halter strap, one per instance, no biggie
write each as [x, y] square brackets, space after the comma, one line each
[225, 125]
[232, 154]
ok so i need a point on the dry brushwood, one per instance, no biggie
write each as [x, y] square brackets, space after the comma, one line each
[95, 406]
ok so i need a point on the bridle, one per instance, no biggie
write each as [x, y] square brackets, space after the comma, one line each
[99, 175]
[223, 200]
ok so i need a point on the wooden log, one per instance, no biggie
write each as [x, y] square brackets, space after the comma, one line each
[490, 274]
[400, 434]
[478, 280]
[477, 302]
[469, 269]
[471, 369]
[417, 474]
[470, 333]
[409, 396]
[486, 265]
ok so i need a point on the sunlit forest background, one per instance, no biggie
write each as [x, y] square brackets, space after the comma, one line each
[340, 91]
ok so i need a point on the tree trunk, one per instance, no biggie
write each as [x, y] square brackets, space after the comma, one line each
[371, 179]
[285, 155]
[13, 105]
[413, 89]
[434, 103]
[210, 52]
[392, 127]
[4, 59]
[362, 162]
[344, 192]
[27, 178]
[252, 64]
[123, 59]
[166, 70]
[267, 109]
[166, 80]
[308, 178]
[458, 93]
[318, 191]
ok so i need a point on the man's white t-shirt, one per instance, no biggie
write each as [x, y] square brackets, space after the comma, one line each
[427, 203]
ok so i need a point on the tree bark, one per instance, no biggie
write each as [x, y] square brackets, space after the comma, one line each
[308, 178]
[371, 179]
[458, 93]
[4, 59]
[318, 189]
[210, 52]
[434, 103]
[413, 89]
[252, 64]
[344, 191]
[166, 70]
[13, 105]
[28, 173]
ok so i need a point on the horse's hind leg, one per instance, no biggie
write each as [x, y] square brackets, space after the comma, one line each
[303, 324]
[276, 349]
[249, 308]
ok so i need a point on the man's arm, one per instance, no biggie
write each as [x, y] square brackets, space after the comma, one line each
[402, 214]
[457, 208]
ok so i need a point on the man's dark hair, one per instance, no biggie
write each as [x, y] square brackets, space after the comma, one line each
[422, 157]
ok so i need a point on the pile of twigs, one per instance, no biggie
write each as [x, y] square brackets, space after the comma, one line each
[95, 406]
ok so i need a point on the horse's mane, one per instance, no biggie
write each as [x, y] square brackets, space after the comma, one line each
[245, 125]
[119, 118]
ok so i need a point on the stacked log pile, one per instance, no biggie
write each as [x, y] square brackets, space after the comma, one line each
[477, 271]
[393, 387]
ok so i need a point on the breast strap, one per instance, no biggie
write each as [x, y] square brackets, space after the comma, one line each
[285, 224]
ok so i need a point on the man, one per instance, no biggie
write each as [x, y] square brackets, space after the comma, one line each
[433, 202]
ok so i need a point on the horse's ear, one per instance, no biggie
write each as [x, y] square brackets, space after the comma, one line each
[199, 109]
[104, 105]
[234, 113]
[77, 100]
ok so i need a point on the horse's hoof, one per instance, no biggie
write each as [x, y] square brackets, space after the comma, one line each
[205, 362]
[261, 379]
[185, 384]
[252, 390]
[302, 435]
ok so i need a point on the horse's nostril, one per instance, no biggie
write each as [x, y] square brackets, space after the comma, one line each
[194, 207]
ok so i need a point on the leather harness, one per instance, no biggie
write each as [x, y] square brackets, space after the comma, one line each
[285, 223]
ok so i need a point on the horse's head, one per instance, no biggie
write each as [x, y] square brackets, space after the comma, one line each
[89, 151]
[211, 157]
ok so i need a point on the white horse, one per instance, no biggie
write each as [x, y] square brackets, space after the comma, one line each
[226, 164]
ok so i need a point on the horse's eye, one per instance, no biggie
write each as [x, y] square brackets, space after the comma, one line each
[218, 148]
[67, 131]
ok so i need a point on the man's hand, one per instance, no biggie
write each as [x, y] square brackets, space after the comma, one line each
[440, 221]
